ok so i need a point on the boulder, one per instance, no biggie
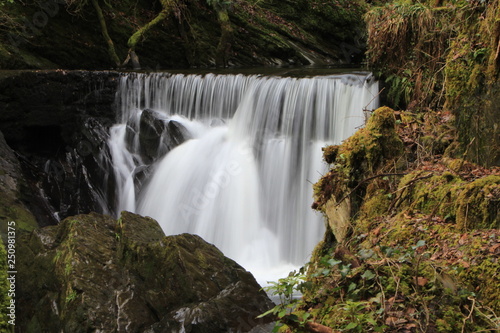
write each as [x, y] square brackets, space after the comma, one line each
[151, 127]
[157, 135]
[175, 135]
[94, 273]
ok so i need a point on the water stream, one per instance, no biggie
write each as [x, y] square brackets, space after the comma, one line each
[249, 152]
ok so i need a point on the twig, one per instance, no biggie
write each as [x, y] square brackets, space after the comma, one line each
[310, 326]
[366, 106]
[364, 181]
[465, 154]
[405, 187]
[470, 313]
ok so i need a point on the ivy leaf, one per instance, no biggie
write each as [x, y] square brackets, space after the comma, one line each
[345, 270]
[419, 244]
[351, 326]
[333, 262]
[368, 275]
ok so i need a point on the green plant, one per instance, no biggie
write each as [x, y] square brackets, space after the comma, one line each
[359, 319]
[287, 290]
[400, 88]
[71, 296]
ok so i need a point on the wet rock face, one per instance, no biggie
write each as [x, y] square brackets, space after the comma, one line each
[151, 127]
[11, 180]
[96, 273]
[57, 123]
[157, 135]
[45, 108]
[176, 134]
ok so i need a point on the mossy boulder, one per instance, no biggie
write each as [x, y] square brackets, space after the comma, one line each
[377, 146]
[470, 205]
[96, 273]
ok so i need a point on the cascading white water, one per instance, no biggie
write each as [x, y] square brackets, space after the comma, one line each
[243, 180]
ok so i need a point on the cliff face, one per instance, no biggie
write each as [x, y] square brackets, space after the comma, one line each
[56, 122]
[96, 273]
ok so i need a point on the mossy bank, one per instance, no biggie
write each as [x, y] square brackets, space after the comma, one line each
[179, 34]
[412, 241]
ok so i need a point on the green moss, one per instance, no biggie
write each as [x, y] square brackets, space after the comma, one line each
[12, 210]
[330, 153]
[377, 143]
[483, 278]
[478, 204]
[5, 300]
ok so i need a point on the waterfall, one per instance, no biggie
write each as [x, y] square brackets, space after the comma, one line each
[232, 158]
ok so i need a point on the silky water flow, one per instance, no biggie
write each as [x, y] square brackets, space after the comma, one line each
[234, 158]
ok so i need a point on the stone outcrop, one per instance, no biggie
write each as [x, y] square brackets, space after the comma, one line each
[94, 273]
[57, 123]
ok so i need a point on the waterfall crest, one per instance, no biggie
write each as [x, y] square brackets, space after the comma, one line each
[234, 156]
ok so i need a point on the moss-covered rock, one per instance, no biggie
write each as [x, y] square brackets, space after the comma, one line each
[377, 146]
[478, 205]
[96, 273]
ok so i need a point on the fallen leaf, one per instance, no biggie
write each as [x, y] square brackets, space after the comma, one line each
[376, 231]
[410, 311]
[462, 239]
[393, 321]
[421, 281]
[464, 264]
[494, 248]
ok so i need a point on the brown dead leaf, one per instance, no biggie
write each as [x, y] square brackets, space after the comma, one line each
[410, 326]
[495, 248]
[376, 231]
[463, 239]
[393, 321]
[464, 264]
[421, 281]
